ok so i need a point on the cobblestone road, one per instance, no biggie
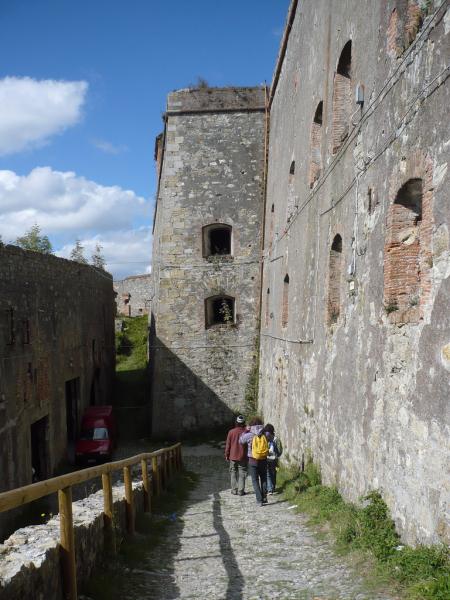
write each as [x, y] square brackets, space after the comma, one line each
[225, 547]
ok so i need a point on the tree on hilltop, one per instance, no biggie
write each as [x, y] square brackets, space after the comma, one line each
[77, 253]
[35, 241]
[97, 258]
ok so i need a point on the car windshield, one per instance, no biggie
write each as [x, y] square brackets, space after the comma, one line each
[97, 433]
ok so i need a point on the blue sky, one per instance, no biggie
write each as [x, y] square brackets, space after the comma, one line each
[82, 90]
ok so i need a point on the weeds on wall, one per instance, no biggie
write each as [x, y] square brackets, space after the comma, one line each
[421, 573]
[252, 387]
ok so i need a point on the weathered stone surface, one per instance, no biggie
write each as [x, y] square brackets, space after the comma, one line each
[57, 340]
[368, 396]
[211, 174]
[30, 558]
[133, 295]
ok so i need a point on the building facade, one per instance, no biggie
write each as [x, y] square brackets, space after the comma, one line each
[206, 257]
[133, 295]
[355, 326]
[57, 340]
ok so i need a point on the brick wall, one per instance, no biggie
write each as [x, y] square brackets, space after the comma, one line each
[334, 281]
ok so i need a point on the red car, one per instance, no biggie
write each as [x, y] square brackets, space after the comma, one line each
[97, 436]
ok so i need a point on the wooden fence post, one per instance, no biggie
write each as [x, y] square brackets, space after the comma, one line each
[155, 475]
[162, 471]
[67, 542]
[146, 485]
[108, 515]
[129, 499]
[180, 458]
[169, 465]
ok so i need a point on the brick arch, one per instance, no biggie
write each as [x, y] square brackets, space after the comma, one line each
[342, 98]
[315, 167]
[408, 241]
[334, 280]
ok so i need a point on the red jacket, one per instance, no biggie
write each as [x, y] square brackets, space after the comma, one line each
[233, 449]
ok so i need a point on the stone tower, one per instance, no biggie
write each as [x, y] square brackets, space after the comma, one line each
[206, 257]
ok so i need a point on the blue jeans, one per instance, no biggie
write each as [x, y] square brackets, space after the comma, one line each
[258, 474]
[271, 475]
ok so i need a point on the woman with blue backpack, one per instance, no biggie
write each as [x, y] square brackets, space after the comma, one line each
[275, 451]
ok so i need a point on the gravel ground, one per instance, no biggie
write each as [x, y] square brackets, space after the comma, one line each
[225, 547]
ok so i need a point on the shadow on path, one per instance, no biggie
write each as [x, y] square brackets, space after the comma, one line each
[235, 585]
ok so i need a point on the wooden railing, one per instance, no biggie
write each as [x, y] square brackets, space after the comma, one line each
[164, 463]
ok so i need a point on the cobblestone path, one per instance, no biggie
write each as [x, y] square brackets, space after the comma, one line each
[225, 547]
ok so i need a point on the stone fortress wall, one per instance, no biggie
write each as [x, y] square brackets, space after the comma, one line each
[133, 295]
[355, 321]
[57, 340]
[206, 257]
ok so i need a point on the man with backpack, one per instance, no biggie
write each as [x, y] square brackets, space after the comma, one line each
[237, 457]
[257, 452]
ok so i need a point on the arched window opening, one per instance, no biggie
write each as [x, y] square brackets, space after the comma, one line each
[285, 302]
[315, 168]
[403, 268]
[344, 67]
[267, 313]
[217, 240]
[219, 310]
[334, 280]
[342, 98]
[292, 168]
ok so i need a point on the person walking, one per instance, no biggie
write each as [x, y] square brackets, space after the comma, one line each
[257, 451]
[275, 451]
[236, 455]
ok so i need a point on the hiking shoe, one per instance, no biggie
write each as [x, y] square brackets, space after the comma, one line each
[234, 492]
[241, 493]
[264, 501]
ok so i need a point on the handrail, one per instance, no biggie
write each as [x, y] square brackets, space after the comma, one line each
[23, 495]
[170, 460]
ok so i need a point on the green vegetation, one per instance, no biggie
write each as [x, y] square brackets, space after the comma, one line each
[421, 573]
[131, 344]
[35, 241]
[131, 389]
[251, 390]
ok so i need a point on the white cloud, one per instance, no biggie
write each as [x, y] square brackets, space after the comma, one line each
[67, 207]
[108, 147]
[32, 111]
[126, 252]
[63, 203]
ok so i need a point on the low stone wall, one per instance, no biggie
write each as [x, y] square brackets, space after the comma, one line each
[30, 558]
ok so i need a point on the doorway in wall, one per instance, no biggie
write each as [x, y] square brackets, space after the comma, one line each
[72, 390]
[39, 449]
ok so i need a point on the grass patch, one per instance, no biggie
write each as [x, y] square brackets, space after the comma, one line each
[131, 387]
[421, 573]
[131, 344]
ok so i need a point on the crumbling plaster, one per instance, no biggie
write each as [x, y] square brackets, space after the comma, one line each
[368, 398]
